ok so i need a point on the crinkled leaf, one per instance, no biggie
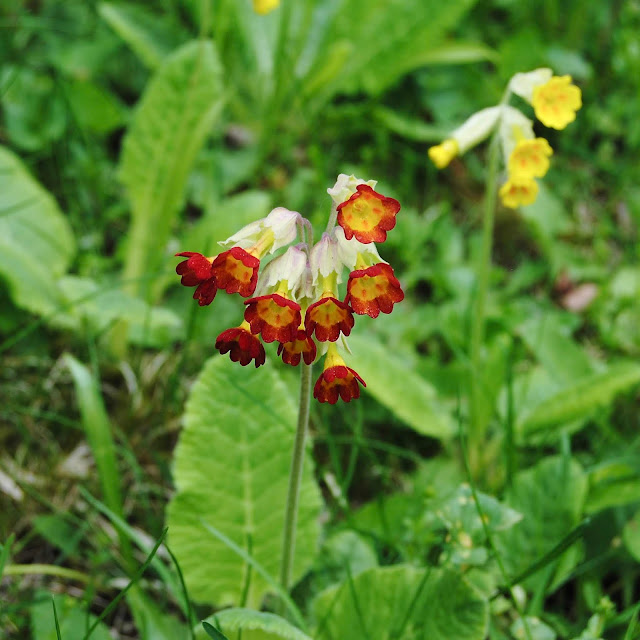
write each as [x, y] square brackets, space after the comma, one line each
[466, 537]
[231, 470]
[399, 388]
[36, 241]
[402, 603]
[255, 625]
[170, 124]
[551, 498]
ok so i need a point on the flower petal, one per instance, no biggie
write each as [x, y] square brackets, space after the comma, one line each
[236, 271]
[274, 317]
[328, 317]
[372, 290]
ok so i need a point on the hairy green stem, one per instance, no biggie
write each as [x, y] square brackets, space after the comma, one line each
[295, 478]
[477, 426]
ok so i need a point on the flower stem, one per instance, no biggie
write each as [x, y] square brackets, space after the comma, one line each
[477, 425]
[295, 478]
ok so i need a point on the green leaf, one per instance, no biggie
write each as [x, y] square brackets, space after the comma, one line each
[212, 632]
[72, 615]
[612, 484]
[254, 625]
[580, 400]
[231, 470]
[399, 388]
[36, 241]
[97, 426]
[94, 107]
[631, 536]
[403, 603]
[101, 307]
[409, 127]
[459, 514]
[33, 111]
[170, 125]
[551, 498]
[149, 37]
[389, 43]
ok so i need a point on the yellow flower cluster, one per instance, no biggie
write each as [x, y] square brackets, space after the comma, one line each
[555, 101]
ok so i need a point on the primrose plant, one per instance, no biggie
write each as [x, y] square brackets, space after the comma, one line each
[555, 101]
[293, 299]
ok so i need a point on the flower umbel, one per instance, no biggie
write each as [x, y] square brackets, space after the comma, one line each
[555, 101]
[298, 298]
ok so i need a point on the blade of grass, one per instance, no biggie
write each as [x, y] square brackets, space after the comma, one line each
[187, 603]
[4, 553]
[138, 574]
[631, 629]
[260, 570]
[55, 618]
[141, 542]
[212, 632]
[98, 429]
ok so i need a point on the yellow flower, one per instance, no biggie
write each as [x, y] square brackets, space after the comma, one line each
[518, 193]
[529, 159]
[265, 6]
[556, 102]
[442, 154]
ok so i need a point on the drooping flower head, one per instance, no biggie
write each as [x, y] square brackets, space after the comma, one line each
[295, 298]
[368, 215]
[242, 345]
[555, 101]
[337, 380]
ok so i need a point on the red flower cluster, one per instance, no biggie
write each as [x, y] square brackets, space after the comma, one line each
[296, 300]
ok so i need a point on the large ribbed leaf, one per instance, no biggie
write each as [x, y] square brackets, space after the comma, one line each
[170, 125]
[551, 498]
[402, 603]
[231, 472]
[36, 241]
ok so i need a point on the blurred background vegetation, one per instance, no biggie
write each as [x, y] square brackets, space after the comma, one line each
[135, 129]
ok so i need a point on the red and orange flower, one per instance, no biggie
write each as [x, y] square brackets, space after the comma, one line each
[302, 347]
[373, 290]
[337, 380]
[236, 271]
[328, 317]
[274, 317]
[367, 215]
[242, 345]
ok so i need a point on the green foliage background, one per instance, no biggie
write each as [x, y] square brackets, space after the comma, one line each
[131, 130]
